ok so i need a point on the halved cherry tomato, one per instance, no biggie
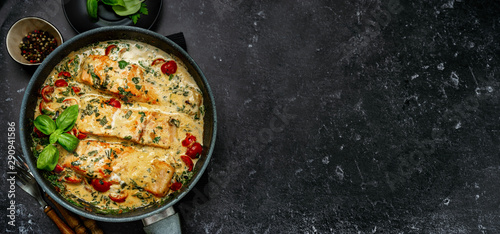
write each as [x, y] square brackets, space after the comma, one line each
[38, 132]
[64, 73]
[61, 83]
[73, 132]
[194, 150]
[45, 92]
[114, 103]
[187, 160]
[118, 197]
[58, 169]
[157, 61]
[81, 136]
[73, 179]
[100, 185]
[176, 186]
[76, 89]
[108, 49]
[188, 140]
[170, 67]
[70, 101]
[41, 107]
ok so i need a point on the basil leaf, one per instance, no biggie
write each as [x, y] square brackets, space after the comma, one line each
[45, 124]
[68, 141]
[54, 136]
[122, 64]
[67, 119]
[47, 160]
[92, 8]
[113, 2]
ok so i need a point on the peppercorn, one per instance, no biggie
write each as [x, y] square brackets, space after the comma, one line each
[37, 45]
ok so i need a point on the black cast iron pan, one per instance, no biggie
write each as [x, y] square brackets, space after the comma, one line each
[104, 34]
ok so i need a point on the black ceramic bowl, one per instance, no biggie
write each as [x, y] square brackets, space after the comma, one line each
[104, 34]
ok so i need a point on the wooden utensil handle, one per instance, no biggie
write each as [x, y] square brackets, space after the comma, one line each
[71, 219]
[65, 229]
[91, 225]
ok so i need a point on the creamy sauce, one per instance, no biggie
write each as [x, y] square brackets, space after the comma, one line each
[136, 147]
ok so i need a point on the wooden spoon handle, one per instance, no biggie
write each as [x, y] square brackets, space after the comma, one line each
[65, 229]
[70, 218]
[91, 225]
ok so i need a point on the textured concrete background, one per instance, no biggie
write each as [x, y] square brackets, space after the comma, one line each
[334, 116]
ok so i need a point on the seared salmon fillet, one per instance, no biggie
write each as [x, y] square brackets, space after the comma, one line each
[125, 80]
[144, 127]
[93, 158]
[116, 163]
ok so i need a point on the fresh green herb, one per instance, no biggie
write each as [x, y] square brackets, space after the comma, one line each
[49, 156]
[142, 116]
[138, 87]
[47, 160]
[128, 138]
[175, 122]
[131, 8]
[156, 139]
[47, 112]
[92, 8]
[45, 124]
[67, 119]
[122, 64]
[129, 113]
[55, 135]
[135, 80]
[103, 121]
[68, 141]
[143, 10]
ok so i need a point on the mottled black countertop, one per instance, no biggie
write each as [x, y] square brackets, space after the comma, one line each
[334, 116]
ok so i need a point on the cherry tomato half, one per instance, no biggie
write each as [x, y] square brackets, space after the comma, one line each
[176, 186]
[73, 132]
[108, 49]
[194, 150]
[64, 73]
[76, 89]
[114, 103]
[38, 132]
[100, 185]
[187, 160]
[58, 169]
[157, 61]
[46, 92]
[81, 136]
[61, 83]
[118, 197]
[188, 140]
[73, 179]
[170, 67]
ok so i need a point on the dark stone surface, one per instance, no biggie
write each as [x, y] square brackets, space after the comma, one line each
[334, 116]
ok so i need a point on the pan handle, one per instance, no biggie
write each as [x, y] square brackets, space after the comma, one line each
[164, 222]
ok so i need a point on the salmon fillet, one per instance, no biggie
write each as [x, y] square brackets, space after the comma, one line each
[128, 82]
[94, 158]
[143, 127]
[116, 163]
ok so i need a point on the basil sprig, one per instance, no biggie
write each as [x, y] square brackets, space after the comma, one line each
[47, 160]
